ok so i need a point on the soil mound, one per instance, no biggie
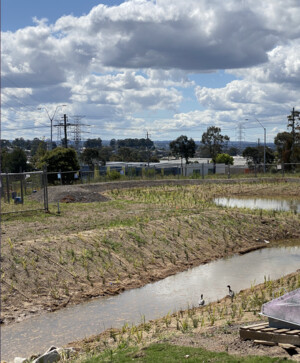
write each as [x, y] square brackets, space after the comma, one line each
[71, 194]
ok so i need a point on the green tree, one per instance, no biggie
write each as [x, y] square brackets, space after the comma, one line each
[4, 160]
[22, 144]
[233, 151]
[214, 141]
[284, 142]
[127, 154]
[252, 155]
[288, 143]
[105, 154]
[60, 159]
[255, 155]
[224, 159]
[37, 144]
[93, 143]
[5, 144]
[183, 147]
[39, 153]
[90, 156]
[113, 144]
[140, 144]
[14, 161]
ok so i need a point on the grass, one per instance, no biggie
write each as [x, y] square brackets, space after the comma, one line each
[172, 353]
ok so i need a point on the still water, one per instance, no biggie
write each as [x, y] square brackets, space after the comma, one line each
[152, 301]
[260, 203]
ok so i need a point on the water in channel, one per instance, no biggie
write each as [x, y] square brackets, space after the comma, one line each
[260, 203]
[151, 301]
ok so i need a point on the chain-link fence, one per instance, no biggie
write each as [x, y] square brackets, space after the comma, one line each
[261, 170]
[17, 190]
[173, 171]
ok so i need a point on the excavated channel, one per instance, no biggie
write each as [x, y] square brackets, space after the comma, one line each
[152, 301]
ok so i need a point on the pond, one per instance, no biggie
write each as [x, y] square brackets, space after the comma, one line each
[151, 301]
[260, 203]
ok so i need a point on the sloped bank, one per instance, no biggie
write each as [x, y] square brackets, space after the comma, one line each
[48, 274]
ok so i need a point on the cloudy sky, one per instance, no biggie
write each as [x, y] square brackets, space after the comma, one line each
[165, 67]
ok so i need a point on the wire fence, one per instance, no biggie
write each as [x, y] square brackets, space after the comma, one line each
[17, 190]
[172, 171]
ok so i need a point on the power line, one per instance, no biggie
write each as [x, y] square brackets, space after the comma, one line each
[26, 128]
[24, 88]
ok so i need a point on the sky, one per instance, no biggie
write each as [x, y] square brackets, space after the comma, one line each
[164, 67]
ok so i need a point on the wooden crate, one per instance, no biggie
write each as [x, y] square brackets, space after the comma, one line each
[262, 331]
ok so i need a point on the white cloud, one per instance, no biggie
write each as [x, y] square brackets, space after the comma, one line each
[136, 57]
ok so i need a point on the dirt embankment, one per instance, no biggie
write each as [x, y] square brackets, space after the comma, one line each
[141, 235]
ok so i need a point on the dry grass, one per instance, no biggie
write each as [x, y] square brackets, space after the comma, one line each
[140, 235]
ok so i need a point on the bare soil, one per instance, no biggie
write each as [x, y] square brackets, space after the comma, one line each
[126, 238]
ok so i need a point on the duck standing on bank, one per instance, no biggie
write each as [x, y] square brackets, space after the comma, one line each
[231, 292]
[201, 301]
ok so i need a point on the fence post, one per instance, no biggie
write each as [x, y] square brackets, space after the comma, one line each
[7, 187]
[45, 179]
[25, 185]
[282, 168]
[61, 182]
[255, 171]
[228, 171]
[21, 185]
[202, 170]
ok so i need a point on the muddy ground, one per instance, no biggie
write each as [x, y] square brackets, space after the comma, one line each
[127, 238]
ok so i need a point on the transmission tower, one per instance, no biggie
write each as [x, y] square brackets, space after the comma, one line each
[240, 135]
[75, 129]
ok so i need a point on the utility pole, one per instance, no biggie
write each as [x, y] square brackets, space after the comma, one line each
[291, 119]
[147, 150]
[75, 129]
[65, 131]
[292, 123]
[64, 124]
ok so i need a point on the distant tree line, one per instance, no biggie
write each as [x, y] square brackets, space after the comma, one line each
[26, 155]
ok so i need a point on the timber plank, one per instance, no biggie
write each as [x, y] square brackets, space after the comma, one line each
[259, 327]
[282, 330]
[269, 329]
[264, 342]
[270, 336]
[293, 332]
[254, 326]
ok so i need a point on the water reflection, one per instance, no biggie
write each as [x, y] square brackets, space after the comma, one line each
[260, 203]
[153, 301]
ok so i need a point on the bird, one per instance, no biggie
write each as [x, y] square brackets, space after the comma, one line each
[231, 292]
[201, 301]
